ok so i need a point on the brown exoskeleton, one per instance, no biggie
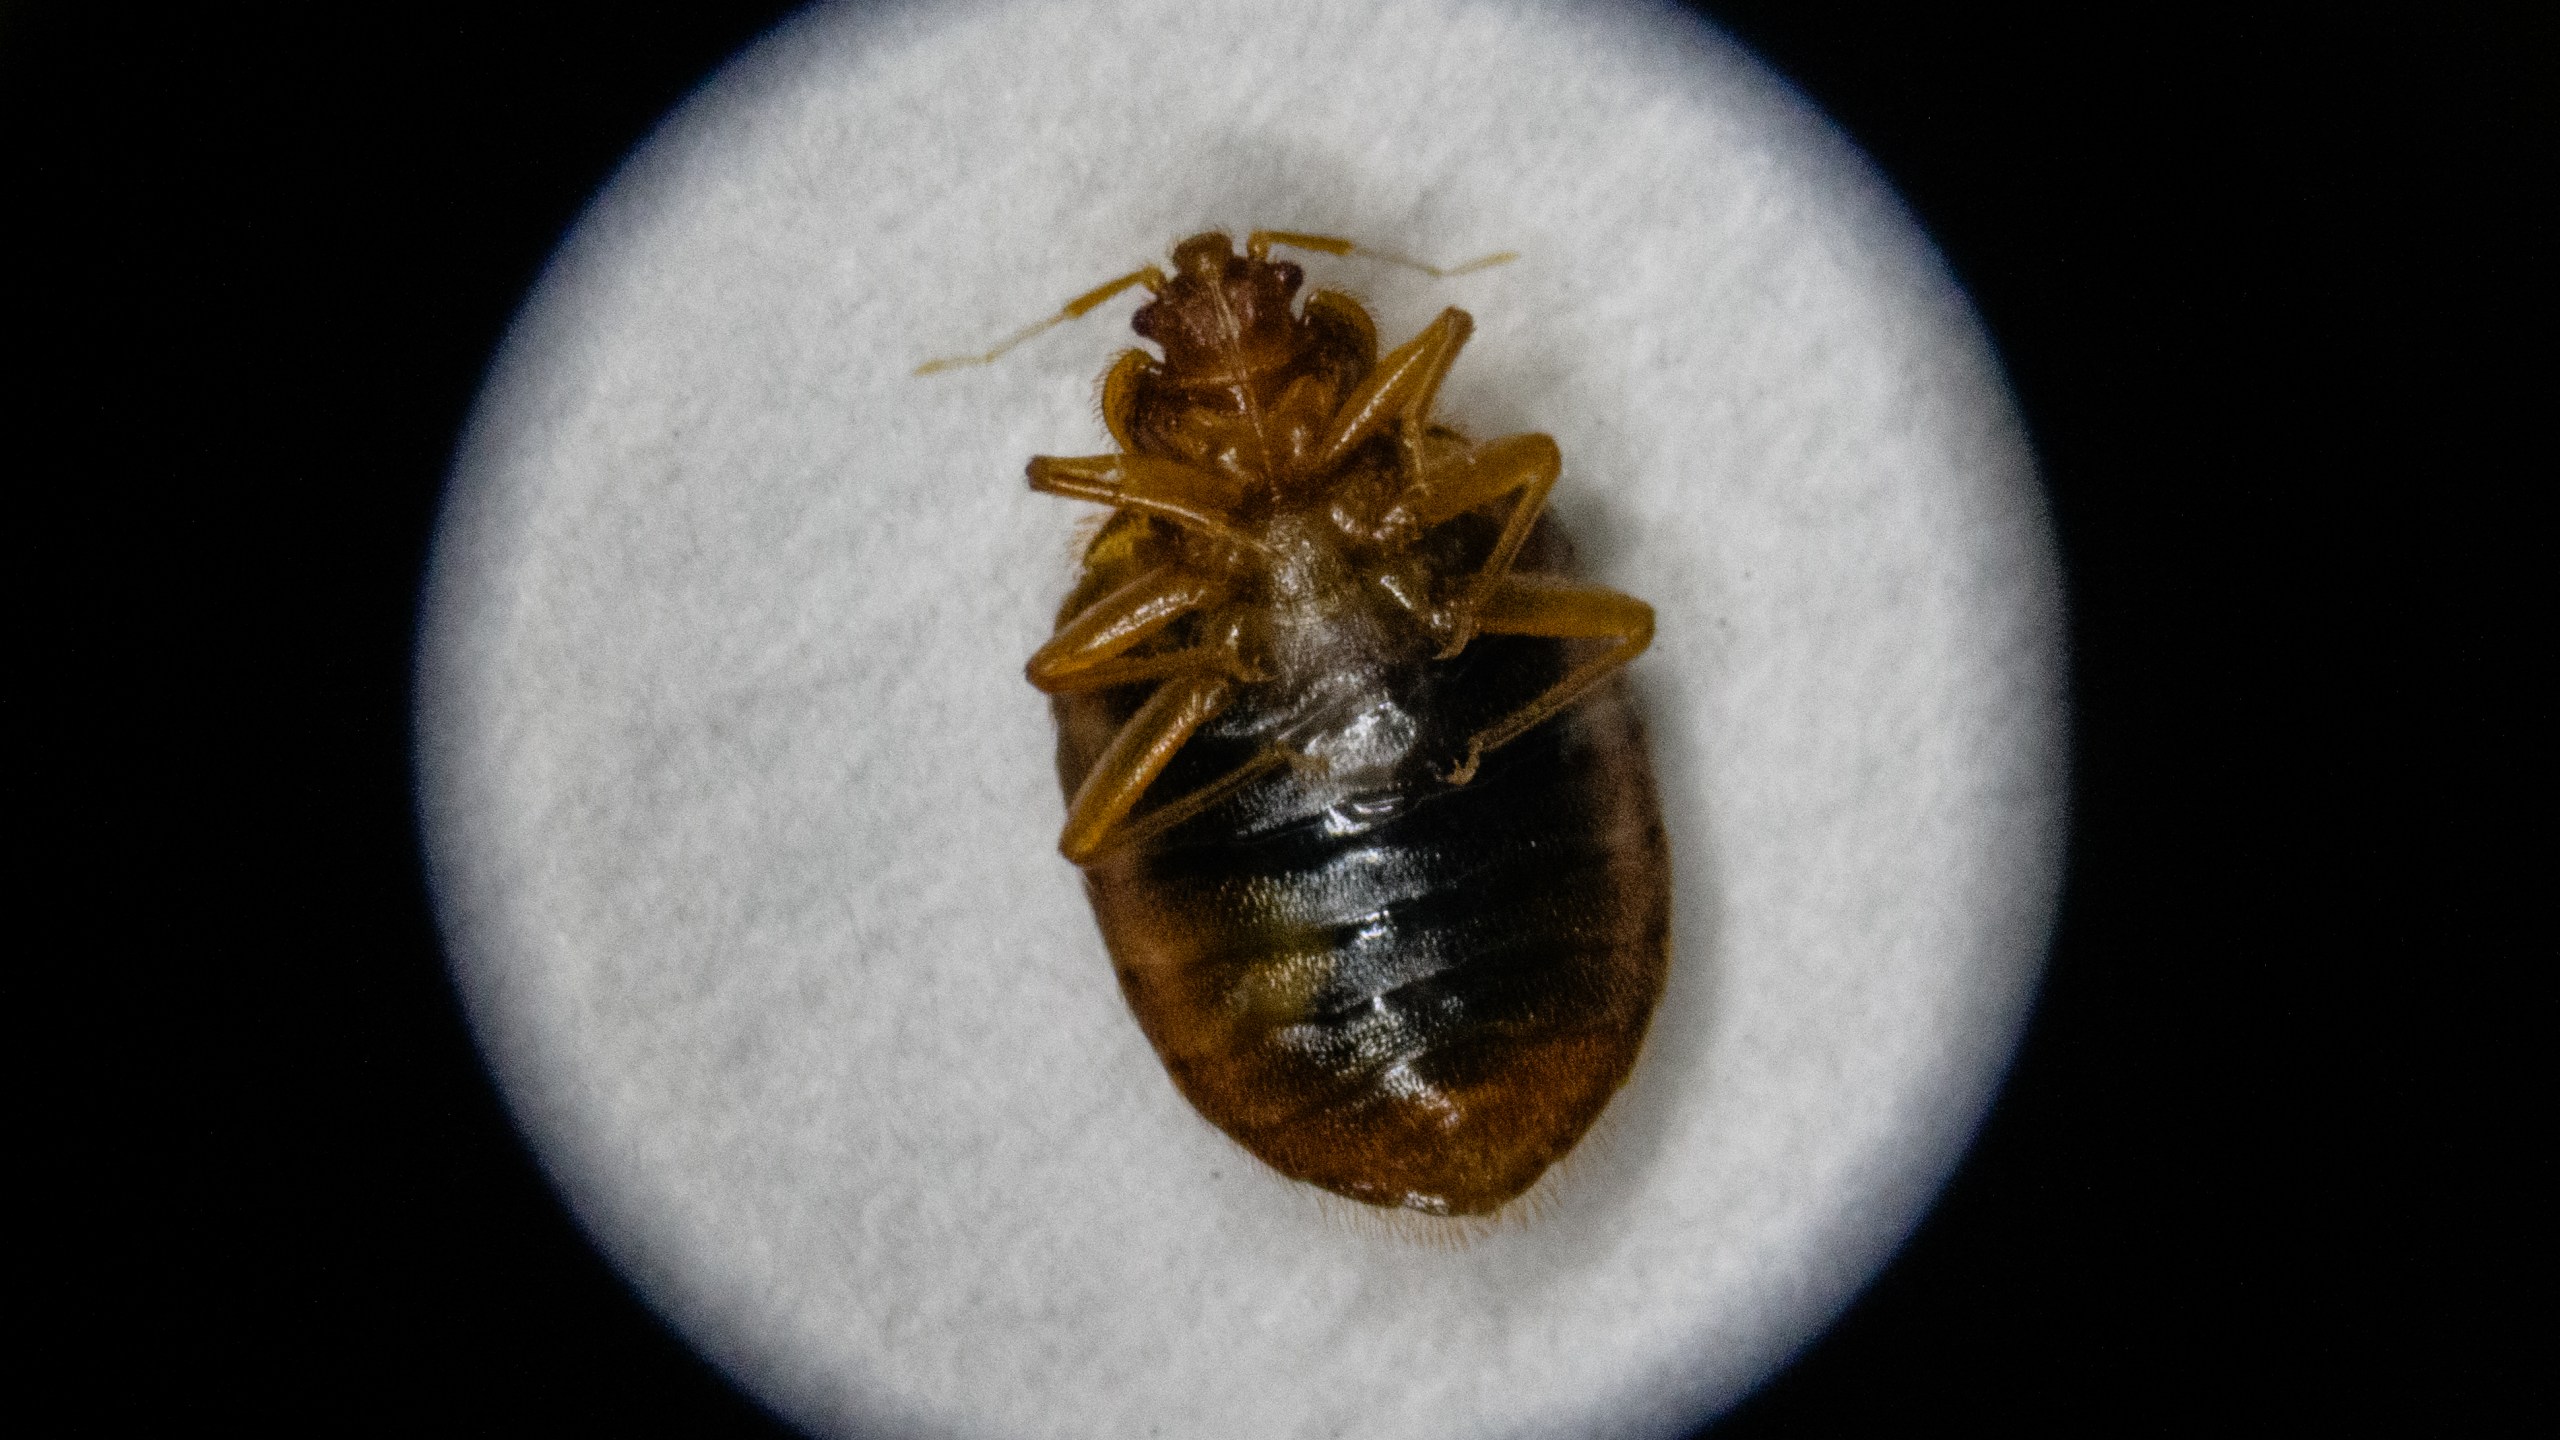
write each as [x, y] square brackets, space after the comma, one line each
[1396, 914]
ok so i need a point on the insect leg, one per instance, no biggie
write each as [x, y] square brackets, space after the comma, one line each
[1401, 388]
[1523, 464]
[1173, 812]
[1559, 610]
[1191, 497]
[1136, 756]
[1085, 653]
[1153, 277]
[1259, 243]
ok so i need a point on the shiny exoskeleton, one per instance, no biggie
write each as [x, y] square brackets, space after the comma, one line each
[1362, 805]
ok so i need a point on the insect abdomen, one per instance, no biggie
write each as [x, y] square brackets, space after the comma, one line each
[1423, 1006]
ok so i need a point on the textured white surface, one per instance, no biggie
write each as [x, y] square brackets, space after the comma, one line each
[742, 817]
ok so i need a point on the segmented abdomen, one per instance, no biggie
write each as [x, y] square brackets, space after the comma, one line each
[1418, 997]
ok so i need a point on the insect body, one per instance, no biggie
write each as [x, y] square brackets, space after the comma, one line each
[1362, 806]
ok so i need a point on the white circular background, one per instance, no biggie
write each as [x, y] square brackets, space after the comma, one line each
[742, 818]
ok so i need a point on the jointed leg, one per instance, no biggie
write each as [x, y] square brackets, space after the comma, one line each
[1524, 464]
[1085, 653]
[1560, 610]
[1135, 757]
[1191, 497]
[1401, 389]
[1153, 277]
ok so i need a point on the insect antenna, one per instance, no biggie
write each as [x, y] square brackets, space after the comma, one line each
[1150, 276]
[1259, 243]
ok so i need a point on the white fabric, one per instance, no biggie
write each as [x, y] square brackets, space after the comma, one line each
[742, 817]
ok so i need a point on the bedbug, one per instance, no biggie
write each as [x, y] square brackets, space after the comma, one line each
[1361, 801]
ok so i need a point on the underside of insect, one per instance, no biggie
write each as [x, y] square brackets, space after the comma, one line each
[1363, 807]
